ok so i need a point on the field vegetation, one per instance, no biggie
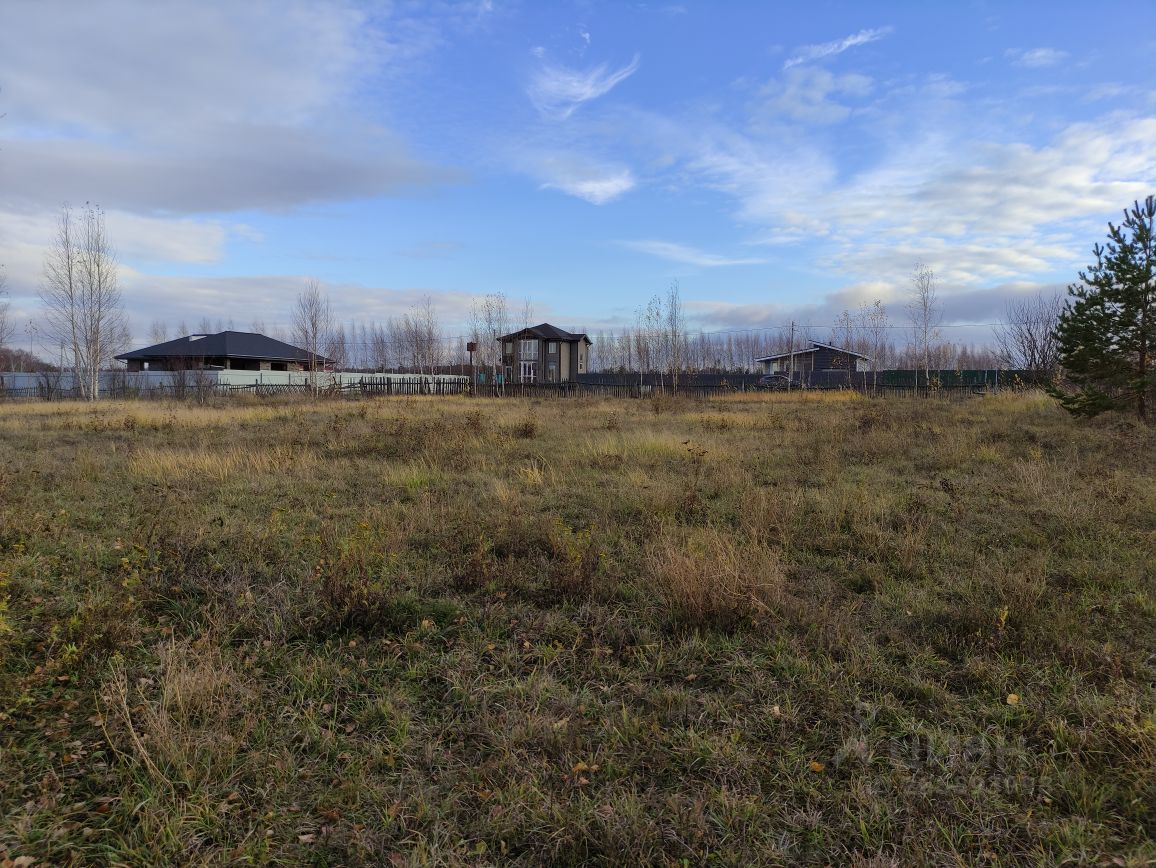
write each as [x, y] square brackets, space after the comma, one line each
[774, 629]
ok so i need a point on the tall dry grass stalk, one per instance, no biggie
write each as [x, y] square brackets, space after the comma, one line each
[185, 723]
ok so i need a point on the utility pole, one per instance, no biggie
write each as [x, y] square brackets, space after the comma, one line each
[791, 359]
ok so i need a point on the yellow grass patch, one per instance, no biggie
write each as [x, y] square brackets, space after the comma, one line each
[218, 464]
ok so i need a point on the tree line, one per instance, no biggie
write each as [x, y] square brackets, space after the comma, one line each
[1095, 345]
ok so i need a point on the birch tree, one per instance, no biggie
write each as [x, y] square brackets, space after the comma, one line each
[924, 311]
[874, 325]
[313, 327]
[83, 311]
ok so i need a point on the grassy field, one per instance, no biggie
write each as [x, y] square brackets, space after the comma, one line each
[768, 630]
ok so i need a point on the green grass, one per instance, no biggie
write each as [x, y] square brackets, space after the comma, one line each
[772, 630]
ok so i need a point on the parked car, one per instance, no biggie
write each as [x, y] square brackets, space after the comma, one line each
[775, 383]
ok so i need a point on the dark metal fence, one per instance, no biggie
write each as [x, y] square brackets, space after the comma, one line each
[953, 385]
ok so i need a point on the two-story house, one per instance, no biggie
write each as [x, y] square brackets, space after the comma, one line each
[544, 354]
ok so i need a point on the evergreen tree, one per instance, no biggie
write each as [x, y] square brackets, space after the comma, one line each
[1107, 329]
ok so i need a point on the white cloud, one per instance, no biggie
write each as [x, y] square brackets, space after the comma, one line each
[593, 180]
[807, 53]
[597, 189]
[160, 112]
[1036, 58]
[804, 94]
[220, 107]
[688, 255]
[977, 210]
[558, 91]
[223, 168]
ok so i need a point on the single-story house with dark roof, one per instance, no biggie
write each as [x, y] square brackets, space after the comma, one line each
[544, 354]
[816, 358]
[228, 351]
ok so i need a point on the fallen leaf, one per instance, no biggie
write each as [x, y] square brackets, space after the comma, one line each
[306, 839]
[1013, 699]
[816, 766]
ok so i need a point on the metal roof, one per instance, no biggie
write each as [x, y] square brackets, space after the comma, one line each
[233, 345]
[547, 332]
[814, 348]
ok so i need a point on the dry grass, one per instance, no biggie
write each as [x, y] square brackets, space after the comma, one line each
[766, 629]
[704, 576]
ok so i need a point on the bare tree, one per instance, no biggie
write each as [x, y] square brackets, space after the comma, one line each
[675, 329]
[489, 321]
[844, 335]
[416, 338]
[378, 348]
[337, 348]
[426, 336]
[1025, 340]
[313, 327]
[7, 326]
[158, 331]
[83, 310]
[874, 325]
[925, 314]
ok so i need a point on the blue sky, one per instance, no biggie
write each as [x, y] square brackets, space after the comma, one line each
[779, 161]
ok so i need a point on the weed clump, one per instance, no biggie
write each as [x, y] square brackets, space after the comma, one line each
[706, 578]
[527, 429]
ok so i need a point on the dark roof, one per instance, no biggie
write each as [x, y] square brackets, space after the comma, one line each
[233, 345]
[547, 332]
[814, 348]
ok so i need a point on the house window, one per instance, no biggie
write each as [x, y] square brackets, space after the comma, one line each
[529, 350]
[552, 347]
[508, 347]
[552, 372]
[529, 372]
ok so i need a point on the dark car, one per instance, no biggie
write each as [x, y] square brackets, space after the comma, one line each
[775, 383]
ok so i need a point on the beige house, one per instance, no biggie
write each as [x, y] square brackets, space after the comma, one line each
[544, 354]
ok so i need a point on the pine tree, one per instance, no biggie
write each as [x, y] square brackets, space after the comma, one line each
[1107, 330]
